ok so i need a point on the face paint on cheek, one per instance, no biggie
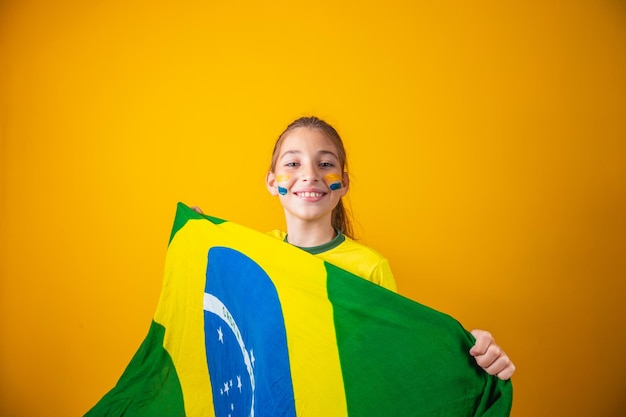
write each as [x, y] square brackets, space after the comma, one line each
[282, 178]
[333, 181]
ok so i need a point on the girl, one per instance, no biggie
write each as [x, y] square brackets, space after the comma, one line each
[308, 173]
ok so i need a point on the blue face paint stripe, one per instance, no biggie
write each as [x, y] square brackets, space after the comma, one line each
[333, 181]
[281, 190]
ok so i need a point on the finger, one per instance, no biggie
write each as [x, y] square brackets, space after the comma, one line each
[197, 209]
[502, 367]
[507, 372]
[490, 357]
[483, 341]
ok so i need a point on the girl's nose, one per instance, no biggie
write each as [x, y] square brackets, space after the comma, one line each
[309, 175]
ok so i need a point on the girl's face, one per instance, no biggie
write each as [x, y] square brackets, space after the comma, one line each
[308, 178]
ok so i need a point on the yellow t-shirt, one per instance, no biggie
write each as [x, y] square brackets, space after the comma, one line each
[353, 257]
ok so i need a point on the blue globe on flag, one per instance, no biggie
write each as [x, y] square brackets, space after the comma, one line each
[245, 339]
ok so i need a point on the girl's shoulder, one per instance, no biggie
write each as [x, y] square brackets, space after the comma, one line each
[351, 245]
[362, 261]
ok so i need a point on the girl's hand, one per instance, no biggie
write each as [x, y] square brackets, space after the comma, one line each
[490, 356]
[197, 209]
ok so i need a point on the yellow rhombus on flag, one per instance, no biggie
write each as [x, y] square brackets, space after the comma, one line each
[248, 325]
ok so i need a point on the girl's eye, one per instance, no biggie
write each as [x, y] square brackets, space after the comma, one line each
[326, 164]
[291, 164]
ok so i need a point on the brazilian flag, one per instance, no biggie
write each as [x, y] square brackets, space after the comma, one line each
[248, 325]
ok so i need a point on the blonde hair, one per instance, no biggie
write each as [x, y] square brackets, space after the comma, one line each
[340, 219]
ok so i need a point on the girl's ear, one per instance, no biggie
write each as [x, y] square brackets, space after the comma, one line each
[270, 183]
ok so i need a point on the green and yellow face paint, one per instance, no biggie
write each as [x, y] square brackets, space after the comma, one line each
[333, 181]
[282, 178]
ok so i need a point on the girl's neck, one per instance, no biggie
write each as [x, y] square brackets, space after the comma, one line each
[307, 234]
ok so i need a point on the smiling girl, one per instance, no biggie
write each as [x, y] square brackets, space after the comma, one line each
[308, 174]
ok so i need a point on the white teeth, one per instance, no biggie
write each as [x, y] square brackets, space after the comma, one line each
[310, 194]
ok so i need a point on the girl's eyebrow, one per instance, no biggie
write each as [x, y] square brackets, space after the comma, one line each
[325, 153]
[297, 152]
[290, 153]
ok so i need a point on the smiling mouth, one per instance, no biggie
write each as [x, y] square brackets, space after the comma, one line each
[309, 194]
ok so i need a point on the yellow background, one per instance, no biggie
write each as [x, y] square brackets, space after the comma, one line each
[487, 149]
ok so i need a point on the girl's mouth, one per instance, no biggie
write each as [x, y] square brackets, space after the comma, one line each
[309, 194]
